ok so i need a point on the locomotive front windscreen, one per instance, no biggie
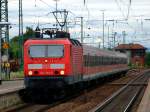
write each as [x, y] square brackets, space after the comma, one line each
[40, 51]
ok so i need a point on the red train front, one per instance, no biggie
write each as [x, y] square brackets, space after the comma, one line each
[48, 62]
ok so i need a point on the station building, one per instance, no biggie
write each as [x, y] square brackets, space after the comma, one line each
[135, 52]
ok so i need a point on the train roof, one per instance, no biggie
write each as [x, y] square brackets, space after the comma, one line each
[86, 49]
[55, 40]
[46, 41]
[102, 52]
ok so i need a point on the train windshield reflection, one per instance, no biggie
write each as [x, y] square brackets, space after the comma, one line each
[40, 51]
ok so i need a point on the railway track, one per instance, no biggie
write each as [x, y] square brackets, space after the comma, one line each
[84, 96]
[39, 108]
[124, 98]
[31, 107]
[28, 107]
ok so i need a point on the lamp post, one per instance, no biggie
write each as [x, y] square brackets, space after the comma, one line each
[2, 24]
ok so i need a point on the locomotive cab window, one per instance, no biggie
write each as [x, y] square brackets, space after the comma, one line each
[40, 51]
[55, 51]
[37, 51]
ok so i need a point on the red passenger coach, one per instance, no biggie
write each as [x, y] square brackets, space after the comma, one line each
[59, 62]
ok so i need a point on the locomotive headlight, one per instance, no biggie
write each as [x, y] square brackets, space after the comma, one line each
[30, 73]
[62, 72]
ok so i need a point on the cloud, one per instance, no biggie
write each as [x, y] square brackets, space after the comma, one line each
[37, 11]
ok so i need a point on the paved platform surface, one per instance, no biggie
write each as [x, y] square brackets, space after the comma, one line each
[10, 86]
[145, 102]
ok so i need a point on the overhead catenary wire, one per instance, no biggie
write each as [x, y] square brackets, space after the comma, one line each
[126, 16]
[146, 40]
[129, 7]
[119, 7]
[47, 4]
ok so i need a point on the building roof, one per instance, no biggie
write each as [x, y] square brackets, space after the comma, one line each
[129, 46]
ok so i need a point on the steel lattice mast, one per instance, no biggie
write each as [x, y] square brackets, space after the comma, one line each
[4, 31]
[20, 32]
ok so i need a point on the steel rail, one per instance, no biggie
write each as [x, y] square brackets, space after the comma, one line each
[132, 100]
[101, 106]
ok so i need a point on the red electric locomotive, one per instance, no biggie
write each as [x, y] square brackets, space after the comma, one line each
[61, 61]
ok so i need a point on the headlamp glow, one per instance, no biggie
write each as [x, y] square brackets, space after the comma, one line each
[62, 72]
[30, 73]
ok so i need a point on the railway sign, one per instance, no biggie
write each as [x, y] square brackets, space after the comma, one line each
[5, 45]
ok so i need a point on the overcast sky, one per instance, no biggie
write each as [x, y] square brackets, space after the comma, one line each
[136, 27]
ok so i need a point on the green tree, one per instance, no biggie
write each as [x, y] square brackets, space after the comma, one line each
[147, 59]
[14, 43]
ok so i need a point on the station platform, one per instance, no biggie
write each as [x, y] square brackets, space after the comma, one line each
[10, 86]
[145, 102]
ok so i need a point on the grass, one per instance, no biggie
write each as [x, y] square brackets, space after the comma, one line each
[13, 75]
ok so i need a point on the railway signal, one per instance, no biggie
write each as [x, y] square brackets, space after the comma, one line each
[5, 45]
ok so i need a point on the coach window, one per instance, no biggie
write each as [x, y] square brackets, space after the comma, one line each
[102, 60]
[84, 57]
[122, 61]
[85, 60]
[94, 60]
[125, 60]
[91, 60]
[105, 60]
[112, 60]
[97, 60]
[108, 61]
[117, 59]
